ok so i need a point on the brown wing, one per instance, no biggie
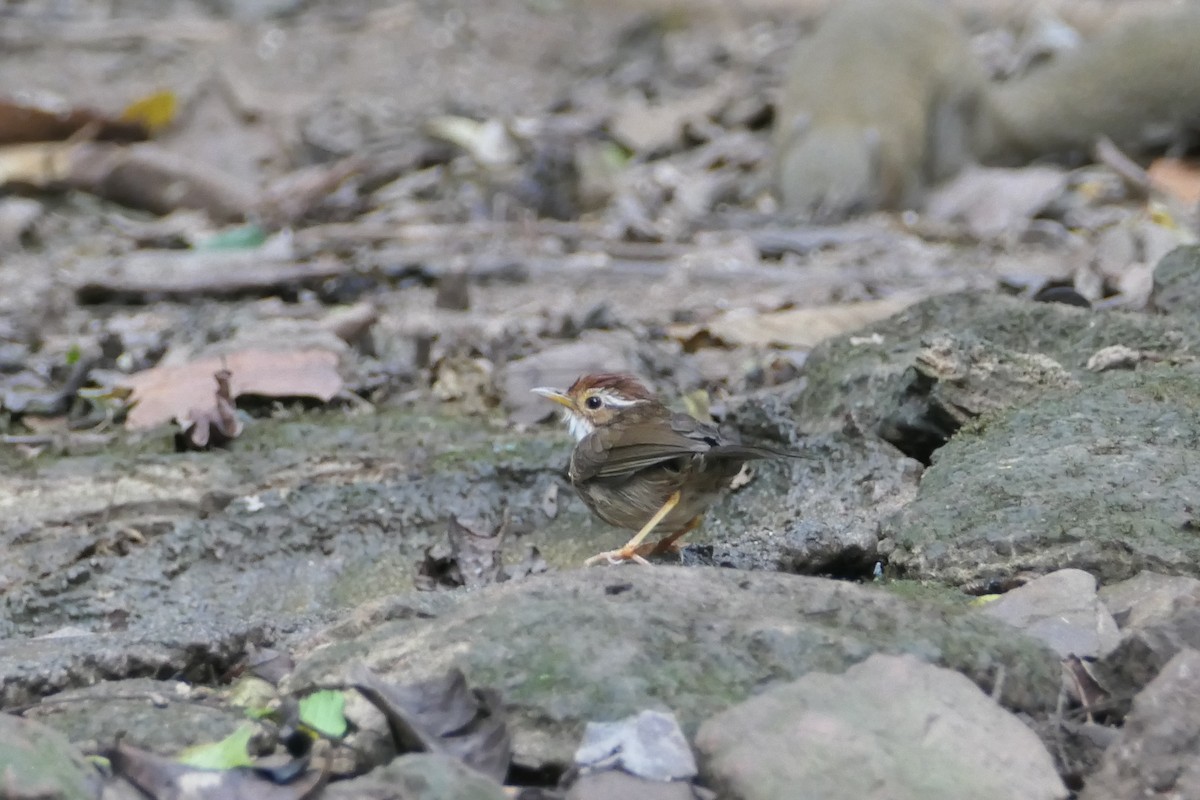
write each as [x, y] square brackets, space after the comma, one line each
[608, 453]
[617, 453]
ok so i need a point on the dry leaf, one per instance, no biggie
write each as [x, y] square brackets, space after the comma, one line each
[649, 745]
[471, 556]
[1178, 178]
[801, 327]
[351, 323]
[648, 128]
[210, 425]
[154, 112]
[442, 715]
[1082, 680]
[167, 779]
[488, 142]
[41, 164]
[992, 202]
[149, 275]
[24, 123]
[150, 177]
[289, 199]
[164, 393]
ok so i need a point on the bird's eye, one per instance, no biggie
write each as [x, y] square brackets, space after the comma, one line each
[593, 402]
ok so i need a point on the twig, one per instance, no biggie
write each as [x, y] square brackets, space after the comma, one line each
[1136, 179]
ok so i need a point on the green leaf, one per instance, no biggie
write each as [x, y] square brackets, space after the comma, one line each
[73, 355]
[243, 237]
[615, 157]
[322, 711]
[99, 761]
[230, 752]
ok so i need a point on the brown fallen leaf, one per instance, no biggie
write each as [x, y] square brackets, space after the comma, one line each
[152, 178]
[1178, 178]
[442, 715]
[163, 393]
[20, 123]
[210, 425]
[800, 327]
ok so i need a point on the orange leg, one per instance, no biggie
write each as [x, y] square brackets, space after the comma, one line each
[668, 543]
[630, 552]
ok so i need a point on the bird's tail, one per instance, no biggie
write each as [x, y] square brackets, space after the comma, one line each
[749, 452]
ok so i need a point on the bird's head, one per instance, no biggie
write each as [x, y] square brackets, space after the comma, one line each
[596, 400]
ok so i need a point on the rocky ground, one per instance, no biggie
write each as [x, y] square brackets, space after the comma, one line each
[983, 583]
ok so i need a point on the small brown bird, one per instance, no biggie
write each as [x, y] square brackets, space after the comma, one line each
[640, 466]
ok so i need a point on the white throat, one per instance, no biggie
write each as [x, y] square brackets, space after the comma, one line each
[578, 425]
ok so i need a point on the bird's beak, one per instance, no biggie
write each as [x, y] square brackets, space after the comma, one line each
[553, 394]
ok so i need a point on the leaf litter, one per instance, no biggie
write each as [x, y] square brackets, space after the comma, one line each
[471, 556]
[167, 779]
[203, 427]
[165, 393]
[442, 715]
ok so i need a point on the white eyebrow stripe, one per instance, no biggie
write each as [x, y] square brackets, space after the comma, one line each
[612, 399]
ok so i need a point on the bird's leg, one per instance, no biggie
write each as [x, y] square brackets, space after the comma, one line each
[668, 543]
[630, 551]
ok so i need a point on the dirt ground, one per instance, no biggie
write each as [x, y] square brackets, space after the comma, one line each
[375, 226]
[687, 233]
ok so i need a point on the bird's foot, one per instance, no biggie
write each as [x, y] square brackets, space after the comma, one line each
[621, 556]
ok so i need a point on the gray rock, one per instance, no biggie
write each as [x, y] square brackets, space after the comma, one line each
[38, 763]
[861, 376]
[956, 378]
[17, 217]
[418, 777]
[1099, 479]
[1077, 746]
[1177, 281]
[163, 717]
[1062, 610]
[1158, 753]
[1149, 598]
[603, 644]
[33, 668]
[1143, 652]
[649, 745]
[809, 516]
[890, 727]
[611, 785]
